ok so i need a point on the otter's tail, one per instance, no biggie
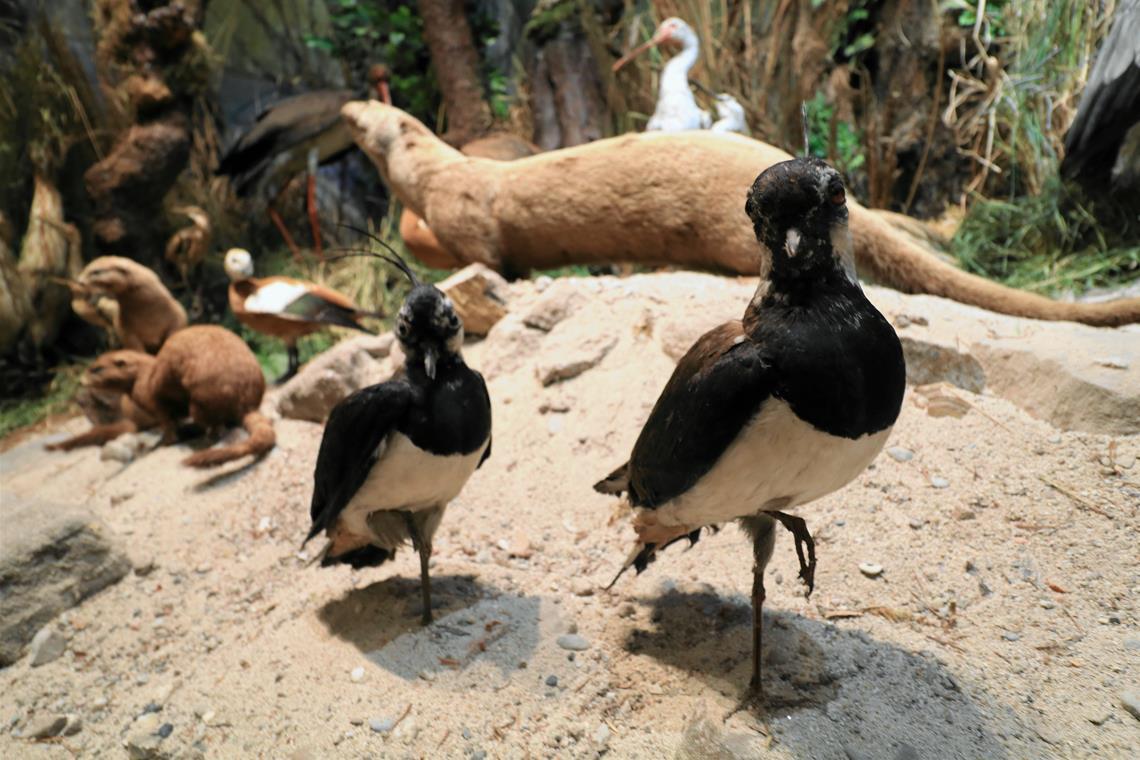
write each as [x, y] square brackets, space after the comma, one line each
[261, 439]
[885, 255]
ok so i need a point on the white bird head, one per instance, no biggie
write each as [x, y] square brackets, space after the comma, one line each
[671, 30]
[238, 263]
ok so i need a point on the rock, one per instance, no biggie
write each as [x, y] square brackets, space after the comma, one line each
[552, 680]
[1132, 642]
[47, 645]
[917, 522]
[573, 642]
[74, 725]
[906, 752]
[479, 754]
[122, 449]
[45, 726]
[52, 557]
[479, 295]
[519, 545]
[931, 361]
[937, 481]
[627, 610]
[870, 569]
[960, 513]
[899, 454]
[145, 747]
[571, 349]
[1097, 716]
[1011, 636]
[346, 367]
[1130, 699]
[558, 301]
[357, 674]
[602, 735]
[381, 725]
[703, 739]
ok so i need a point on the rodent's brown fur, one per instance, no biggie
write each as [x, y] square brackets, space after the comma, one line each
[660, 198]
[108, 380]
[148, 313]
[205, 373]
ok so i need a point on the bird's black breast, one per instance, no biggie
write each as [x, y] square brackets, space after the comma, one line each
[837, 362]
[451, 415]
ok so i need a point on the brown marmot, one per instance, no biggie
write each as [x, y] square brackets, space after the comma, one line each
[148, 313]
[205, 373]
[105, 400]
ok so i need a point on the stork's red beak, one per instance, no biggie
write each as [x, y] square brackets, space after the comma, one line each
[384, 92]
[661, 35]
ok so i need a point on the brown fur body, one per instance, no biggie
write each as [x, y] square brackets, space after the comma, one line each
[105, 399]
[655, 198]
[416, 233]
[148, 313]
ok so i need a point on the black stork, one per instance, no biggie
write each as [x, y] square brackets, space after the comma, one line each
[300, 132]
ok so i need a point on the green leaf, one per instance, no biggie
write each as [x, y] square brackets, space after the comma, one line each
[861, 43]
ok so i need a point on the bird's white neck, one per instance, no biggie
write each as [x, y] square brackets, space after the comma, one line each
[675, 75]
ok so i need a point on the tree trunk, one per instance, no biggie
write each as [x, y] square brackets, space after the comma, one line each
[153, 59]
[456, 63]
[567, 99]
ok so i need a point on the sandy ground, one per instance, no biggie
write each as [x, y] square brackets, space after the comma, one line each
[1003, 624]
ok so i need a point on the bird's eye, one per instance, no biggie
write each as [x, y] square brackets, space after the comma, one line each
[838, 197]
[402, 329]
[453, 320]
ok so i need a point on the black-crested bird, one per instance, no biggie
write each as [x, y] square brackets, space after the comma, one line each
[780, 408]
[395, 454]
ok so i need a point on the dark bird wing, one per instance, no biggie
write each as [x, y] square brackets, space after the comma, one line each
[1110, 104]
[312, 307]
[283, 125]
[353, 440]
[717, 387]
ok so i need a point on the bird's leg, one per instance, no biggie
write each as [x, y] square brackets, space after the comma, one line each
[311, 202]
[757, 625]
[294, 362]
[798, 528]
[280, 224]
[424, 550]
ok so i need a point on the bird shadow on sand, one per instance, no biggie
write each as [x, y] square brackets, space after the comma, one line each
[828, 686]
[225, 477]
[473, 623]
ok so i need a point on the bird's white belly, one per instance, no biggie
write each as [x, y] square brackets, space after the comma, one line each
[274, 297]
[778, 459]
[408, 478]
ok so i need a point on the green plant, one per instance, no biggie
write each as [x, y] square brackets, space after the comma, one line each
[831, 139]
[22, 412]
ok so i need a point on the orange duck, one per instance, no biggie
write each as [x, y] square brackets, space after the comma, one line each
[285, 307]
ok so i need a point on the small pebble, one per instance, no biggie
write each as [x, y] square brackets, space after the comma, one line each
[899, 454]
[357, 674]
[628, 610]
[964, 514]
[573, 642]
[602, 735]
[165, 730]
[46, 726]
[381, 725]
[552, 680]
[1097, 716]
[479, 754]
[1132, 643]
[466, 732]
[1131, 701]
[938, 481]
[1011, 636]
[47, 645]
[870, 569]
[1046, 604]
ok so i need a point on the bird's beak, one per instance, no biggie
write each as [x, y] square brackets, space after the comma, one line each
[429, 363]
[385, 93]
[657, 39]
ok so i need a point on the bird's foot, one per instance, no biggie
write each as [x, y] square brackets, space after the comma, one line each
[751, 701]
[798, 528]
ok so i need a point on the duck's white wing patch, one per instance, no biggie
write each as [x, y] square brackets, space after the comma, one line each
[776, 457]
[274, 297]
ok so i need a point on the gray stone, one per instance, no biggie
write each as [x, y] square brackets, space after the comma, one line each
[899, 454]
[552, 680]
[870, 569]
[123, 449]
[346, 367]
[573, 642]
[937, 481]
[52, 557]
[145, 747]
[1130, 699]
[74, 725]
[704, 739]
[571, 349]
[47, 645]
[557, 302]
[1132, 643]
[382, 725]
[917, 522]
[46, 726]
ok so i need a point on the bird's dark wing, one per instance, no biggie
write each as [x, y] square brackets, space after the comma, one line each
[312, 307]
[1110, 104]
[717, 387]
[354, 434]
[286, 123]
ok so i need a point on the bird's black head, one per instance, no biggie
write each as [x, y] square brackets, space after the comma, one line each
[798, 209]
[429, 330]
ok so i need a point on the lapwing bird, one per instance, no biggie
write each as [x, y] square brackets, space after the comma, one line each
[395, 454]
[285, 307]
[780, 408]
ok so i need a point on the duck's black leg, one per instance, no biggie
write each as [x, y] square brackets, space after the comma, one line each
[294, 363]
[424, 550]
[798, 528]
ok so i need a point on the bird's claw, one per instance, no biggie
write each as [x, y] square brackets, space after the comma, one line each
[798, 528]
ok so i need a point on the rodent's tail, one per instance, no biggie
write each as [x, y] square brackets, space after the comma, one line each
[261, 439]
[886, 256]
